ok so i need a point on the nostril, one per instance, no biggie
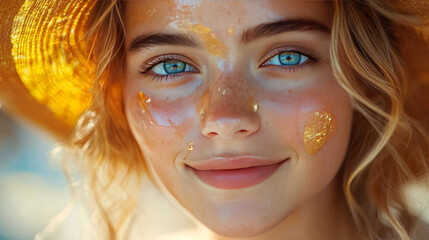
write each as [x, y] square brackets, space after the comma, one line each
[212, 134]
[242, 131]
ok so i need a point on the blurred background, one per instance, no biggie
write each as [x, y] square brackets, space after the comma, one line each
[32, 188]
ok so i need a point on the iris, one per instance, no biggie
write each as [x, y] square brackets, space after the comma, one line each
[289, 58]
[174, 66]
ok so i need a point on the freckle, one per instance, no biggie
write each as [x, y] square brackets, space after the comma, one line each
[318, 130]
[170, 122]
[178, 131]
[289, 91]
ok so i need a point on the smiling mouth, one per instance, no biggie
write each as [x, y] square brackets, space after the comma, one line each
[237, 173]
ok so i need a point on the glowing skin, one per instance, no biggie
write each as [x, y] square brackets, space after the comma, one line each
[318, 130]
[254, 101]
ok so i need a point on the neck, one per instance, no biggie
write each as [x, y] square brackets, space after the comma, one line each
[326, 216]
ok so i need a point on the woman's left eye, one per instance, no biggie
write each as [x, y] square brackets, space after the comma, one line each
[287, 58]
[170, 67]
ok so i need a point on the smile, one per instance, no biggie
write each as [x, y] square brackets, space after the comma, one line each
[235, 173]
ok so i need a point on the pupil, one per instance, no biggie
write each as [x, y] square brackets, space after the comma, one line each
[173, 66]
[289, 58]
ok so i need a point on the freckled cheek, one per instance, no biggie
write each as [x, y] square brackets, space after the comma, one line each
[173, 113]
[161, 123]
[281, 111]
[292, 114]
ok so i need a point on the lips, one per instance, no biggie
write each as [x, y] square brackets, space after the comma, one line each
[236, 172]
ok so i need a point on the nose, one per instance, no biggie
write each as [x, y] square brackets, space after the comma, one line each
[229, 114]
[229, 128]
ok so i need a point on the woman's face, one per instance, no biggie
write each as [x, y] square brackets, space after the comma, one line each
[235, 107]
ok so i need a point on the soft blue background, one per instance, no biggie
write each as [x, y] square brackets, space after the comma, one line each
[24, 170]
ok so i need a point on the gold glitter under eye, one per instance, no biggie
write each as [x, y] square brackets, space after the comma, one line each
[144, 101]
[318, 130]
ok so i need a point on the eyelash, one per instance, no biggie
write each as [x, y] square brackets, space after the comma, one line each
[312, 58]
[148, 66]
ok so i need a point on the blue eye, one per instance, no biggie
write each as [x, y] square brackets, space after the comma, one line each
[287, 59]
[172, 67]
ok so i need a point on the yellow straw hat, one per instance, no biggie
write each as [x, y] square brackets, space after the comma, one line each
[46, 76]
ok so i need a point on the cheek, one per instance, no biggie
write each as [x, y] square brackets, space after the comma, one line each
[157, 123]
[148, 133]
[168, 113]
[308, 119]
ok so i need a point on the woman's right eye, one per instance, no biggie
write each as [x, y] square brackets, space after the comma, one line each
[172, 66]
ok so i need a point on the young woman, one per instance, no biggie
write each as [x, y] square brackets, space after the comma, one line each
[262, 119]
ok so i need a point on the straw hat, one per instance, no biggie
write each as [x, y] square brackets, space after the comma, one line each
[45, 75]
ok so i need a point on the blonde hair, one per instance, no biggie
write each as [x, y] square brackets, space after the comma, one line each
[387, 148]
[102, 145]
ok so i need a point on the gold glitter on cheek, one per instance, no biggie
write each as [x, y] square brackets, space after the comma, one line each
[144, 101]
[318, 130]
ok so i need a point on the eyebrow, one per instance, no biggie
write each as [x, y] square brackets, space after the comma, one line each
[149, 40]
[282, 26]
[248, 35]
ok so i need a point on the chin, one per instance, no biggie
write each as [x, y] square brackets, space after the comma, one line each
[241, 230]
[242, 224]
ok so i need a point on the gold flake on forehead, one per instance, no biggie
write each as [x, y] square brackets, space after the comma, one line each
[318, 130]
[206, 35]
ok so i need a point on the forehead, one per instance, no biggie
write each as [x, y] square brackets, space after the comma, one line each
[219, 15]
